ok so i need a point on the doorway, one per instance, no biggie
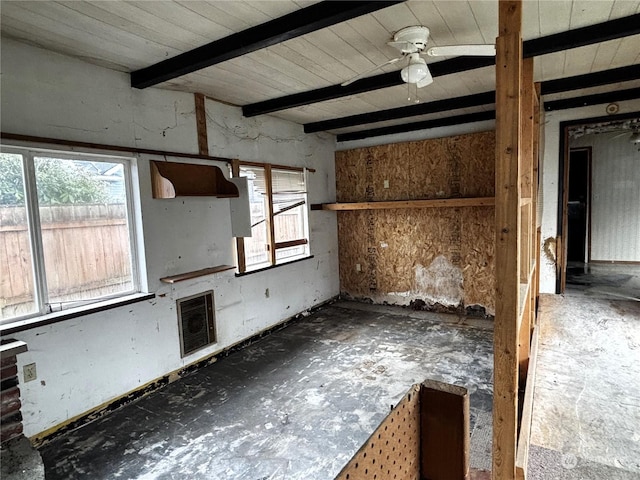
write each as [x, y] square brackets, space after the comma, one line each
[599, 175]
[578, 208]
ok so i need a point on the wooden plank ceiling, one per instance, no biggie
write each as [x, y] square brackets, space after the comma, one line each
[131, 35]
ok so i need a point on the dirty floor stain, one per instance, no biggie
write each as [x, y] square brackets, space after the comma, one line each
[586, 411]
[295, 405]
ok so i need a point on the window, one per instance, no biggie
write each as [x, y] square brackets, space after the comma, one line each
[66, 231]
[279, 221]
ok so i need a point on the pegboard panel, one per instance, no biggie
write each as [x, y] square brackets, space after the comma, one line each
[393, 450]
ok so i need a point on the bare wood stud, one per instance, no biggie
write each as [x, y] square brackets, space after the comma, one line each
[508, 131]
[201, 124]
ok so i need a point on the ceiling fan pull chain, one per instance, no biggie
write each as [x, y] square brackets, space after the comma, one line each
[412, 92]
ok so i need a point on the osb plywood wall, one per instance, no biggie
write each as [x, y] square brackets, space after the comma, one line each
[443, 257]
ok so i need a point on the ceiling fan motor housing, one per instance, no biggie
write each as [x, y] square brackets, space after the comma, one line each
[414, 39]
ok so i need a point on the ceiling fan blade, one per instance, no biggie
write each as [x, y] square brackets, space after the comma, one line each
[462, 50]
[428, 80]
[364, 74]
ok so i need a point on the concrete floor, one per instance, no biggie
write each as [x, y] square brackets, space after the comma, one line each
[586, 411]
[295, 405]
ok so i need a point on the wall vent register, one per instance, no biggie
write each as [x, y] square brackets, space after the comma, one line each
[196, 321]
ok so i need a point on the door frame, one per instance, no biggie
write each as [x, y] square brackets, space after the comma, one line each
[563, 192]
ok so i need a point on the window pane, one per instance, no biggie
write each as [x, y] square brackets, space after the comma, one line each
[17, 292]
[291, 253]
[289, 225]
[290, 212]
[85, 231]
[255, 247]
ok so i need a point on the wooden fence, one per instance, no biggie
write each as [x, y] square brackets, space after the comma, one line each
[86, 253]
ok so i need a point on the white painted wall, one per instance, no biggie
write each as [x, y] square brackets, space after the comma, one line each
[85, 362]
[615, 196]
[550, 185]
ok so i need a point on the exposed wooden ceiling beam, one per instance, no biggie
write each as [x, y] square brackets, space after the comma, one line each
[579, 37]
[300, 22]
[596, 99]
[576, 82]
[595, 79]
[423, 125]
[601, 32]
[403, 112]
[384, 80]
[575, 102]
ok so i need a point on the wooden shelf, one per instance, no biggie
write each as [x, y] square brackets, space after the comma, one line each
[197, 273]
[172, 179]
[433, 203]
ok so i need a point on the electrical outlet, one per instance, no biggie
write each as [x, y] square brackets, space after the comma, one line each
[30, 373]
[358, 268]
[386, 184]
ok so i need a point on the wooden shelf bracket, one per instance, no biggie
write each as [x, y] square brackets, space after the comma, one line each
[172, 179]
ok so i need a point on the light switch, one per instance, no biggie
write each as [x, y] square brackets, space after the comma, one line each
[386, 184]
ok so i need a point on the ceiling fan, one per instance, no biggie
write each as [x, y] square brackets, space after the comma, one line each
[412, 43]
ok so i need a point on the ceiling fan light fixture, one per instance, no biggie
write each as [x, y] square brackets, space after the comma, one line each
[416, 71]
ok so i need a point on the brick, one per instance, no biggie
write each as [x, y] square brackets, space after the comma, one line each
[8, 383]
[10, 401]
[8, 361]
[8, 372]
[10, 430]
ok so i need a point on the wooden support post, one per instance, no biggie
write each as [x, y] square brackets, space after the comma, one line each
[526, 168]
[536, 183]
[508, 131]
[201, 124]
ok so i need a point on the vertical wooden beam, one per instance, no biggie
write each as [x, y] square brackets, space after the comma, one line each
[536, 187]
[526, 167]
[527, 105]
[242, 261]
[201, 124]
[271, 236]
[444, 432]
[508, 131]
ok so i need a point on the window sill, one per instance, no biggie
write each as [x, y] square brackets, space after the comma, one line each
[270, 267]
[50, 318]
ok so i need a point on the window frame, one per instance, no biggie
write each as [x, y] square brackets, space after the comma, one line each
[272, 245]
[43, 309]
